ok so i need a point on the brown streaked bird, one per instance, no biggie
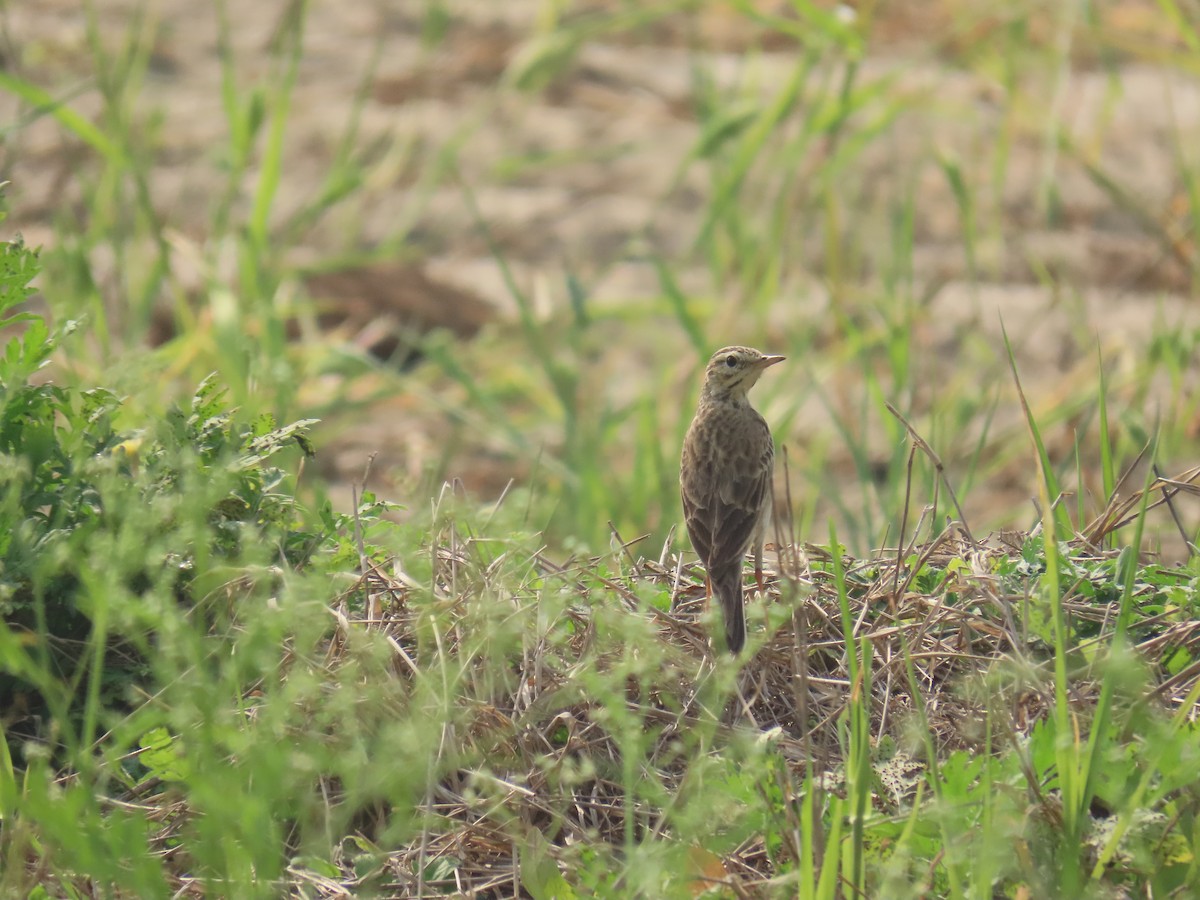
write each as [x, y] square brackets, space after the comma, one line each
[725, 479]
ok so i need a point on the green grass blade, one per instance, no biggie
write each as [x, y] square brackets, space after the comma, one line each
[271, 167]
[45, 104]
[1048, 481]
[1108, 469]
[679, 305]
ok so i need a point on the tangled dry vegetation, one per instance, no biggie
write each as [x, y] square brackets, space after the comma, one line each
[530, 748]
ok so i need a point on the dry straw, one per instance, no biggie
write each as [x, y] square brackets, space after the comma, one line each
[792, 689]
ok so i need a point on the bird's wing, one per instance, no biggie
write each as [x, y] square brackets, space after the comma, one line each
[724, 496]
[695, 476]
[738, 511]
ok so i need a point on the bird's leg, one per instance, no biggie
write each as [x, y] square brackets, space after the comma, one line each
[758, 572]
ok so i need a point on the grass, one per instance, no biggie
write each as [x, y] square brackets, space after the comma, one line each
[214, 681]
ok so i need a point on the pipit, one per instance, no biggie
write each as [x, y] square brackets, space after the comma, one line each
[725, 479]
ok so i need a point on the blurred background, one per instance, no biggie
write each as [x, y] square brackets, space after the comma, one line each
[495, 240]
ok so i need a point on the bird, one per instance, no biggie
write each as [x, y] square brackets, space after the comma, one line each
[725, 479]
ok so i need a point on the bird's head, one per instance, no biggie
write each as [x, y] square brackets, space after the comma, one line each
[732, 371]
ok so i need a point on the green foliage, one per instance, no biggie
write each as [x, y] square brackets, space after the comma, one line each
[89, 513]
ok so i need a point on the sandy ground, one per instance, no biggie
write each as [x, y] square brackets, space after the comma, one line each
[584, 177]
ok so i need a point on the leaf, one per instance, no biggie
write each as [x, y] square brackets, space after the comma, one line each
[706, 871]
[539, 870]
[542, 59]
[442, 868]
[322, 867]
[8, 781]
[67, 116]
[162, 755]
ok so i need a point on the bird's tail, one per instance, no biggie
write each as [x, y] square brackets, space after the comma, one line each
[727, 585]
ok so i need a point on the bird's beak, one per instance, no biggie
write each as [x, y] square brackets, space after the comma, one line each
[770, 361]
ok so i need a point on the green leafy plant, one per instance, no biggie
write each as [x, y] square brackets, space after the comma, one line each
[71, 483]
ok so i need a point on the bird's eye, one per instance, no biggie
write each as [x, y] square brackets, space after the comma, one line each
[731, 361]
